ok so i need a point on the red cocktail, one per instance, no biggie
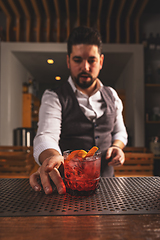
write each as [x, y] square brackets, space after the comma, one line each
[81, 172]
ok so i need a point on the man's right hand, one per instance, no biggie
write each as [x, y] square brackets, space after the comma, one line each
[49, 171]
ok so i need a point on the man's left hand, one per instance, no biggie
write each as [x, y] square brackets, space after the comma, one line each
[116, 155]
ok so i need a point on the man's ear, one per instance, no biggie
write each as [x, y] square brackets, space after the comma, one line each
[101, 61]
[68, 61]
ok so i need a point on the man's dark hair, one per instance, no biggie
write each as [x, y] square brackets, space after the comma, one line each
[84, 35]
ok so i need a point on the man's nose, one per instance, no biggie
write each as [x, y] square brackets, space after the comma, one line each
[86, 65]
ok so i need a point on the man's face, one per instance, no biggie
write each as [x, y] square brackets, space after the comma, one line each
[85, 64]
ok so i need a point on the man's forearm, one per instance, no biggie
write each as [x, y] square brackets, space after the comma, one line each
[46, 154]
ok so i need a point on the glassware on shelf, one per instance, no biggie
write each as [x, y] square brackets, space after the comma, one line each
[155, 146]
[156, 114]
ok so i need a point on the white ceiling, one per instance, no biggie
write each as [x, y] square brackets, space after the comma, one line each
[35, 63]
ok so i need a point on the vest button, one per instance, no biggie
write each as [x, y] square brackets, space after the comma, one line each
[96, 137]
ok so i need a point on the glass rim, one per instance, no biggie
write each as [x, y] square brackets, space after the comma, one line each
[69, 151]
[91, 158]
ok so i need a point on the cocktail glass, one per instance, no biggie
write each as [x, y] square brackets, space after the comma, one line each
[81, 175]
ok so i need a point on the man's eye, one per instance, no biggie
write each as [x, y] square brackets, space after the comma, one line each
[91, 60]
[78, 60]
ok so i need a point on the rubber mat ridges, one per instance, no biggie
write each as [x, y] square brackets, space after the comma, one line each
[124, 195]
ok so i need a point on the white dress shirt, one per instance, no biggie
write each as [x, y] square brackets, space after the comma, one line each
[49, 125]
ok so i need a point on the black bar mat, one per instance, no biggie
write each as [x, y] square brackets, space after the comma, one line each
[124, 195]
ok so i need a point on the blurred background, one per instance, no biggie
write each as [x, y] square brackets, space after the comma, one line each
[33, 31]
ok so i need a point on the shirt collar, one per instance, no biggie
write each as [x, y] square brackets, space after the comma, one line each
[99, 85]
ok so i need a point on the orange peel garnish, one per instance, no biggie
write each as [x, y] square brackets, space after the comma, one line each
[92, 151]
[82, 153]
[72, 154]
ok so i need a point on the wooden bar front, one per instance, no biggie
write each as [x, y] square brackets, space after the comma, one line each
[117, 227]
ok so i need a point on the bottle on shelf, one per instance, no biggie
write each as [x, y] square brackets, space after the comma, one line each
[25, 87]
[151, 42]
[158, 75]
[30, 85]
[157, 41]
[149, 75]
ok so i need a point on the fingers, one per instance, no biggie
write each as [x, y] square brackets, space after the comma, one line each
[33, 180]
[116, 162]
[53, 162]
[56, 178]
[45, 180]
[49, 170]
[117, 156]
[109, 153]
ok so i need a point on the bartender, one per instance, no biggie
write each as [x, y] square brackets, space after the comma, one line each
[78, 115]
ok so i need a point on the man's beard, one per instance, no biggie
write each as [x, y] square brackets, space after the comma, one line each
[84, 84]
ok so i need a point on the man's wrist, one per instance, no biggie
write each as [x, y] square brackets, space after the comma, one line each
[48, 153]
[114, 145]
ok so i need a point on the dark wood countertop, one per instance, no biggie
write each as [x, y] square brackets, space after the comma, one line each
[81, 227]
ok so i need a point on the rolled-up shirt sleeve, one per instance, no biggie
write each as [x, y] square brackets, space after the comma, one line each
[49, 125]
[119, 131]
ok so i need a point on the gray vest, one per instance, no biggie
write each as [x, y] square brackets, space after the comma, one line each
[78, 132]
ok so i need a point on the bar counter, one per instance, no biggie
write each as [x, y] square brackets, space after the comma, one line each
[122, 208]
[116, 227]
